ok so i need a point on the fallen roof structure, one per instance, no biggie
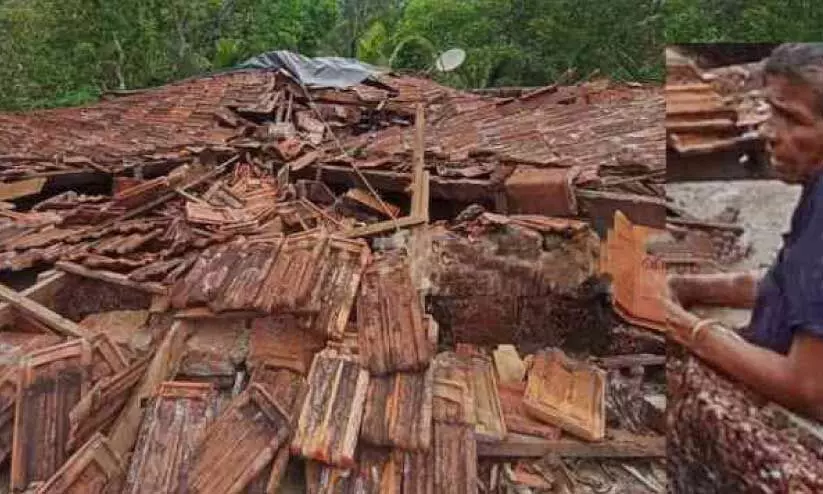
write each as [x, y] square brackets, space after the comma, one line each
[277, 263]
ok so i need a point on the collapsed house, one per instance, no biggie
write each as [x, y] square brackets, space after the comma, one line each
[392, 286]
[723, 437]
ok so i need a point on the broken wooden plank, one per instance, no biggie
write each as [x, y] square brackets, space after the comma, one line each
[330, 420]
[52, 381]
[384, 227]
[51, 319]
[111, 277]
[171, 430]
[617, 444]
[632, 360]
[393, 336]
[239, 445]
[41, 292]
[163, 366]
[398, 411]
[94, 469]
[567, 394]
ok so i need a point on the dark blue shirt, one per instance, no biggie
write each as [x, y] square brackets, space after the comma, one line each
[790, 298]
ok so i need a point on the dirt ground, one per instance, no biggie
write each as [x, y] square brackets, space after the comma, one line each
[765, 212]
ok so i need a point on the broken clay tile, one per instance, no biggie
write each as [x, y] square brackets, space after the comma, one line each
[567, 394]
[293, 276]
[337, 286]
[455, 459]
[638, 278]
[268, 481]
[288, 386]
[239, 444]
[14, 345]
[171, 430]
[544, 191]
[330, 420]
[8, 396]
[379, 470]
[216, 348]
[98, 408]
[52, 381]
[517, 418]
[240, 289]
[398, 411]
[453, 398]
[393, 336]
[95, 468]
[490, 424]
[280, 341]
[510, 368]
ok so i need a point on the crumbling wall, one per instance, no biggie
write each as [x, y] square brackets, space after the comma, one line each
[516, 284]
[724, 439]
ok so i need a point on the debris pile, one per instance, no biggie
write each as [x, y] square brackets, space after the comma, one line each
[395, 287]
[712, 122]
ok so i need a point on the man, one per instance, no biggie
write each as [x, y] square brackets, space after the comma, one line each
[781, 355]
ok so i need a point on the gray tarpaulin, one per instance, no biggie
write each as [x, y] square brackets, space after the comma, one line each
[322, 71]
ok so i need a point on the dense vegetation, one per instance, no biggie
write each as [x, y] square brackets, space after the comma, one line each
[62, 52]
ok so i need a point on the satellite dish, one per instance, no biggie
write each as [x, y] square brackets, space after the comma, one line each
[450, 60]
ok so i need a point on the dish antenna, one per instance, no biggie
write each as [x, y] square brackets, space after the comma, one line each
[450, 60]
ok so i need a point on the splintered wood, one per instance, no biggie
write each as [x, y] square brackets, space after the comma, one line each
[93, 469]
[638, 279]
[330, 420]
[398, 411]
[393, 333]
[98, 409]
[567, 394]
[240, 444]
[169, 434]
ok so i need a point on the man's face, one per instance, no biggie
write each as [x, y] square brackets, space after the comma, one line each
[794, 133]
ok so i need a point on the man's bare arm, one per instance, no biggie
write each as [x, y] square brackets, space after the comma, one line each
[792, 381]
[735, 290]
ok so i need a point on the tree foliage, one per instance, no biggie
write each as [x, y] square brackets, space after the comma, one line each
[64, 52]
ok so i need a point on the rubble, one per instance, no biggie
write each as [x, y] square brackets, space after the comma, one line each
[278, 274]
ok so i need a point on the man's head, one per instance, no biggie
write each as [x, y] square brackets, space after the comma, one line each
[794, 133]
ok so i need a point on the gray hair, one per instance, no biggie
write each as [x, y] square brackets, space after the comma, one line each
[801, 63]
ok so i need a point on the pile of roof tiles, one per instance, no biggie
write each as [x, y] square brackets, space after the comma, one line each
[247, 294]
